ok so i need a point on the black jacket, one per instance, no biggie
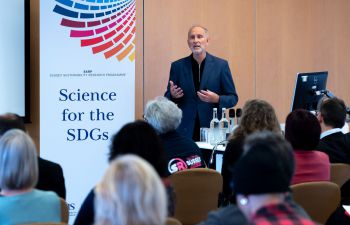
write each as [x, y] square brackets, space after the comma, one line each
[337, 147]
[51, 177]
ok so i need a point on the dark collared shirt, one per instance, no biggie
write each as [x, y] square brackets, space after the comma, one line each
[197, 71]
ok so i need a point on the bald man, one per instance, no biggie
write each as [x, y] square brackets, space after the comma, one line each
[198, 83]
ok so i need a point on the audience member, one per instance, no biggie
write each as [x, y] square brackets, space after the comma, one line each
[182, 152]
[257, 115]
[303, 131]
[334, 143]
[130, 193]
[10, 121]
[138, 138]
[50, 174]
[262, 178]
[20, 203]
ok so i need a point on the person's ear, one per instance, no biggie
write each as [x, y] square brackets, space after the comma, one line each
[242, 200]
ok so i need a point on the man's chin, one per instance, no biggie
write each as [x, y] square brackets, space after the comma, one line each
[197, 51]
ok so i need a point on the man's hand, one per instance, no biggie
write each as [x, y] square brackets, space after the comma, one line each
[208, 96]
[175, 91]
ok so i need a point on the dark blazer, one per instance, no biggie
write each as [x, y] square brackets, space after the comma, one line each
[51, 177]
[216, 77]
[337, 147]
[86, 214]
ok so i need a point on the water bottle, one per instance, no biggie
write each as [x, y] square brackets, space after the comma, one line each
[215, 128]
[224, 125]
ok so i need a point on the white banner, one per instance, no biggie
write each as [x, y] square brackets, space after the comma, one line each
[87, 86]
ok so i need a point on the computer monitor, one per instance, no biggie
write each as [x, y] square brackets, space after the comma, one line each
[309, 89]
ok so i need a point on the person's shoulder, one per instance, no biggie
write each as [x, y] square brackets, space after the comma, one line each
[317, 154]
[235, 142]
[187, 140]
[182, 60]
[347, 135]
[45, 194]
[48, 164]
[229, 215]
[337, 138]
[323, 145]
[216, 59]
[347, 139]
[180, 139]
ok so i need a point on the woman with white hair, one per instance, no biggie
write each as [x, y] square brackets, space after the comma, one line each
[19, 202]
[182, 153]
[130, 193]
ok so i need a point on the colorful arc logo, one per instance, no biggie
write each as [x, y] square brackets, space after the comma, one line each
[107, 26]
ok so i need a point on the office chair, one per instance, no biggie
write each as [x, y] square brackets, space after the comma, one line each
[196, 194]
[319, 199]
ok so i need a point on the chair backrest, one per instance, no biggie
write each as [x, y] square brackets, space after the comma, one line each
[319, 199]
[196, 193]
[172, 221]
[340, 173]
[64, 211]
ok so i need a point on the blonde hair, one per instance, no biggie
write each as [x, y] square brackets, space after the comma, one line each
[257, 115]
[130, 193]
[18, 161]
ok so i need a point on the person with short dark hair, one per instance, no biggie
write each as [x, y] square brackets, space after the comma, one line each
[138, 138]
[262, 178]
[10, 121]
[334, 143]
[333, 112]
[303, 131]
[50, 174]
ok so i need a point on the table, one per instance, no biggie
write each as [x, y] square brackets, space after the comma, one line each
[207, 151]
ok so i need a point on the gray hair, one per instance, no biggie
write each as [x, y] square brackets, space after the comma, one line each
[130, 193]
[163, 114]
[18, 161]
[206, 31]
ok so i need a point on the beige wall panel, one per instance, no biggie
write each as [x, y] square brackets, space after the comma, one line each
[340, 75]
[231, 28]
[300, 36]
